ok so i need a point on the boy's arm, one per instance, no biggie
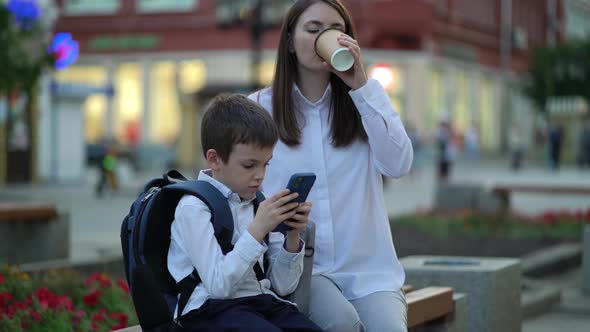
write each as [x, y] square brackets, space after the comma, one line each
[285, 267]
[219, 273]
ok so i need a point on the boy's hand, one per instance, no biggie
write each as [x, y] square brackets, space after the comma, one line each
[272, 212]
[298, 224]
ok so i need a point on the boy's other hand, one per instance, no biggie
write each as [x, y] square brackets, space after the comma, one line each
[272, 212]
[298, 224]
[299, 221]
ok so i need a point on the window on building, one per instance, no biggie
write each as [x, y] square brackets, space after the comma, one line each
[93, 7]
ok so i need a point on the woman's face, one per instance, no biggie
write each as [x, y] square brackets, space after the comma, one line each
[314, 19]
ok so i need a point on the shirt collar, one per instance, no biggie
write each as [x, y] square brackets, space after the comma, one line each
[301, 98]
[207, 176]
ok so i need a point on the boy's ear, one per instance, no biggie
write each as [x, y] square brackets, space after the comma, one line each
[213, 159]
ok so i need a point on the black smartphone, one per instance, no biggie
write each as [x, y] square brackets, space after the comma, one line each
[300, 183]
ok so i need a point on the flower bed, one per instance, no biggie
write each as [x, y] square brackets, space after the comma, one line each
[63, 301]
[471, 233]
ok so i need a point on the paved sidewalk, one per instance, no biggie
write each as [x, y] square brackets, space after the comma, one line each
[95, 223]
[572, 314]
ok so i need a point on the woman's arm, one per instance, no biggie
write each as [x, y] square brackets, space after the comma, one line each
[391, 149]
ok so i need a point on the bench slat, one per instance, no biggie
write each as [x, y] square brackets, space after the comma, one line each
[429, 303]
[27, 212]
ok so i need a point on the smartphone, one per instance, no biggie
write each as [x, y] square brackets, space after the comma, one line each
[300, 183]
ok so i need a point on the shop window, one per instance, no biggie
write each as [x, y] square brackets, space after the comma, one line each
[94, 117]
[460, 111]
[95, 106]
[192, 76]
[437, 104]
[164, 107]
[128, 103]
[487, 115]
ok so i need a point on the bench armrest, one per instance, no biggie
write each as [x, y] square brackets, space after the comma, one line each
[301, 293]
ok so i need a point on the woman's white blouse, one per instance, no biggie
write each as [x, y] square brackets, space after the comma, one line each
[354, 247]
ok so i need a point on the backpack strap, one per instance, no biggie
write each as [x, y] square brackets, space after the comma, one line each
[223, 227]
[259, 273]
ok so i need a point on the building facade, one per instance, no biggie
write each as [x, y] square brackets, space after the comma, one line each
[459, 59]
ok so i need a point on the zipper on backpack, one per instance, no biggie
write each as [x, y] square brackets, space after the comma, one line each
[136, 230]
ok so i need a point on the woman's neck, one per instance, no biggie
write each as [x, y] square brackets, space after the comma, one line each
[312, 84]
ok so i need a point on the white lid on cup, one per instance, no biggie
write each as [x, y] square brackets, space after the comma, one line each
[342, 59]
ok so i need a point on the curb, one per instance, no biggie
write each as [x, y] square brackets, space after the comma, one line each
[111, 265]
[552, 260]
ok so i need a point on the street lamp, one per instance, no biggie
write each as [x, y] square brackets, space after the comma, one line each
[258, 16]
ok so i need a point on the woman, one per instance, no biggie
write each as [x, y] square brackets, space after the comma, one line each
[342, 127]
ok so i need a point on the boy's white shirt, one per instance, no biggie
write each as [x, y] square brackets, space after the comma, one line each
[193, 245]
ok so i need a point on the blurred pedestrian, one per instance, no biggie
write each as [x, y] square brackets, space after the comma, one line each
[417, 145]
[555, 144]
[445, 148]
[108, 176]
[472, 142]
[584, 145]
[516, 146]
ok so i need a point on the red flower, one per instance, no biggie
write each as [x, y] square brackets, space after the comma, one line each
[77, 317]
[65, 302]
[92, 298]
[102, 279]
[549, 217]
[122, 320]
[98, 317]
[44, 296]
[124, 286]
[36, 316]
[5, 298]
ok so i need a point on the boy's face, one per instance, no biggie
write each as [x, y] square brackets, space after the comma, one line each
[244, 171]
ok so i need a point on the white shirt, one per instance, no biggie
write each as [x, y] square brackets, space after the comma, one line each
[193, 244]
[353, 247]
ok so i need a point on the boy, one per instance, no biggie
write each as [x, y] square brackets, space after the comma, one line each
[238, 137]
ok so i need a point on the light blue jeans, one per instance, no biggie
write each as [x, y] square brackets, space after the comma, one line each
[377, 312]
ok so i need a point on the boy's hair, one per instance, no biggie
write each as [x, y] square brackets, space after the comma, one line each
[232, 119]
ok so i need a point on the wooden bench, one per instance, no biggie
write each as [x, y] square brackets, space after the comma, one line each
[504, 191]
[27, 212]
[428, 304]
[39, 231]
[424, 305]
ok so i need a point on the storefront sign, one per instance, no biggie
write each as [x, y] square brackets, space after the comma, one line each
[124, 42]
[166, 5]
[77, 7]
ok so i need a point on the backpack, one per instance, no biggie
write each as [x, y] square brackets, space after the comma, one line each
[145, 240]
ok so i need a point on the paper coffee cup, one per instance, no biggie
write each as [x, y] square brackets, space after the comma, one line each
[328, 48]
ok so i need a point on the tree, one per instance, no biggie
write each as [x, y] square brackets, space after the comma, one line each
[563, 70]
[23, 52]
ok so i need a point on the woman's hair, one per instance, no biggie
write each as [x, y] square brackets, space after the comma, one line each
[346, 125]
